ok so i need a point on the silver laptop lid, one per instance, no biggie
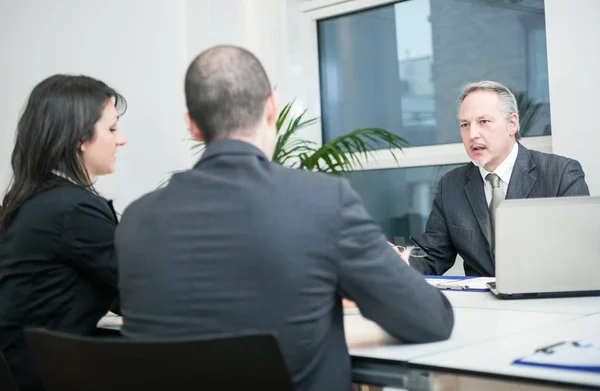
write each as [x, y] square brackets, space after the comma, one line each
[548, 245]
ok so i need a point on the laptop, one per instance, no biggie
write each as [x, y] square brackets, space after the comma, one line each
[547, 247]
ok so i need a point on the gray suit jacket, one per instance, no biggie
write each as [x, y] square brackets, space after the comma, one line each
[242, 244]
[460, 222]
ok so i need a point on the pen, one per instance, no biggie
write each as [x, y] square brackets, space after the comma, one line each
[548, 349]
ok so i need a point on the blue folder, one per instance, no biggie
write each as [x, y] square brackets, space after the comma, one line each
[575, 356]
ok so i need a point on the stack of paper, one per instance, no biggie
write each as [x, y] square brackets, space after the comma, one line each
[461, 283]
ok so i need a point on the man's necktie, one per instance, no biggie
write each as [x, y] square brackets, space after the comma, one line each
[497, 196]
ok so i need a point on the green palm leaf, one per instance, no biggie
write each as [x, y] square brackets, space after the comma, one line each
[341, 154]
[344, 152]
[528, 112]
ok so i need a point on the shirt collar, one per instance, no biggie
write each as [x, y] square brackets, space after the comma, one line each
[63, 175]
[504, 169]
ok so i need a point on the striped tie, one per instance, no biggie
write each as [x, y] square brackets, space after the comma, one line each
[497, 196]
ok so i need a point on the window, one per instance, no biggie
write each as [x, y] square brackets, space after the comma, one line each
[400, 199]
[400, 65]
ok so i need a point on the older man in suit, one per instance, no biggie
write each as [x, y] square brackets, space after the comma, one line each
[461, 218]
[239, 243]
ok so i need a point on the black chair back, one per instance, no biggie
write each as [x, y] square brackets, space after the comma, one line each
[7, 382]
[69, 363]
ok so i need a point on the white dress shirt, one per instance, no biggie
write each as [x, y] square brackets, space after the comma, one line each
[504, 170]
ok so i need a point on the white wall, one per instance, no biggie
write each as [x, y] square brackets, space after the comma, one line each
[142, 48]
[135, 46]
[573, 39]
[275, 31]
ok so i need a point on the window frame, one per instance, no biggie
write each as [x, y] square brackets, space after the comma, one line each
[431, 155]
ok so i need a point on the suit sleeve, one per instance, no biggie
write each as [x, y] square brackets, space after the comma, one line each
[385, 288]
[88, 242]
[572, 182]
[436, 238]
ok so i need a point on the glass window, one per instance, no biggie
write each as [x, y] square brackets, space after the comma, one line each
[399, 199]
[401, 66]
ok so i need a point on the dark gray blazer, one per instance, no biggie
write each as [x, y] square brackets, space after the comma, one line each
[242, 244]
[460, 222]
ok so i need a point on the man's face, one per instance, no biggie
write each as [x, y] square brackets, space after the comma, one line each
[487, 134]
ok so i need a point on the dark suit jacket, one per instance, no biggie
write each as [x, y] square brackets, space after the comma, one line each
[57, 270]
[460, 222]
[242, 244]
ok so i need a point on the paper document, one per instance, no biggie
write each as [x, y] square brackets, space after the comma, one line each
[461, 283]
[579, 356]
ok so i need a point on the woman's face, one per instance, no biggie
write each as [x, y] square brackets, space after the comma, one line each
[99, 152]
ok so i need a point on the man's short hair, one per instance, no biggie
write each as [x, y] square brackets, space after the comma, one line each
[226, 88]
[507, 98]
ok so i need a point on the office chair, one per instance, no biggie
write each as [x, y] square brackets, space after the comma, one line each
[7, 381]
[69, 363]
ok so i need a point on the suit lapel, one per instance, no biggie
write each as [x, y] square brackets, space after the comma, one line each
[112, 210]
[476, 196]
[522, 179]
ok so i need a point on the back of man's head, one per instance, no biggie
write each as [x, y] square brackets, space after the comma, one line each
[226, 88]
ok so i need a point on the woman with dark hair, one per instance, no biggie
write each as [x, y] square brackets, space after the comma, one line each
[57, 260]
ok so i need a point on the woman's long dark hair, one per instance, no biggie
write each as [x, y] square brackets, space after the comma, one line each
[59, 116]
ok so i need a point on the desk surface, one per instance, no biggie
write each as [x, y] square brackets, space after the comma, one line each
[111, 321]
[472, 326]
[496, 356]
[489, 334]
[579, 305]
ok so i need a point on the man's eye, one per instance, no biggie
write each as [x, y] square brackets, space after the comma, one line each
[464, 125]
[485, 121]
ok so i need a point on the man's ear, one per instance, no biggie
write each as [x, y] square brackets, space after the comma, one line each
[271, 114]
[513, 124]
[193, 128]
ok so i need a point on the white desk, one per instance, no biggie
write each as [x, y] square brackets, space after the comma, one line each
[580, 305]
[488, 335]
[472, 326]
[496, 356]
[111, 321]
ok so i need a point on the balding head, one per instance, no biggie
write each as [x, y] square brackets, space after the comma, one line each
[226, 89]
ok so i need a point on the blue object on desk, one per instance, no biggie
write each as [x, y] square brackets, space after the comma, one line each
[576, 356]
[459, 283]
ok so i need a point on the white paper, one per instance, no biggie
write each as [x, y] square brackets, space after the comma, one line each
[465, 283]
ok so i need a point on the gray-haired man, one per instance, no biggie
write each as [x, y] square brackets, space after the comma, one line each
[460, 220]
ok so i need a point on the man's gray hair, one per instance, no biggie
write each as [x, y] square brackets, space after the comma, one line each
[507, 98]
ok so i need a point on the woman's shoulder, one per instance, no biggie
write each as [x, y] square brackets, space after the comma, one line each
[64, 198]
[51, 207]
[67, 194]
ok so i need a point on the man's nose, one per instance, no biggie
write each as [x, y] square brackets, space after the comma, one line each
[474, 131]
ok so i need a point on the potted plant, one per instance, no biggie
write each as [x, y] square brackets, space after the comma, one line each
[341, 154]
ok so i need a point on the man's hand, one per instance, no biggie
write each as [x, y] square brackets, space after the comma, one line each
[402, 254]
